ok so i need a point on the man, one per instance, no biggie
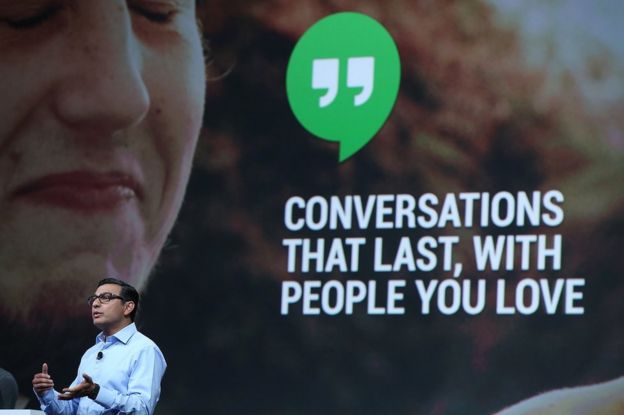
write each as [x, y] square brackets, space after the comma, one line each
[121, 373]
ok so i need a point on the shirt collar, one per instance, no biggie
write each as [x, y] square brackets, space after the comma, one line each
[122, 335]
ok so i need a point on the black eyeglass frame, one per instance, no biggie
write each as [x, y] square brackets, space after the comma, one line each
[104, 298]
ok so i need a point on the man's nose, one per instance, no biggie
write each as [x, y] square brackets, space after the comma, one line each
[102, 89]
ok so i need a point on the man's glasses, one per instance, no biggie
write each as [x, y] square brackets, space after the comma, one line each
[104, 298]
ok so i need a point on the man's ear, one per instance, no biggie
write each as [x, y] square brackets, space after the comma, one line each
[128, 308]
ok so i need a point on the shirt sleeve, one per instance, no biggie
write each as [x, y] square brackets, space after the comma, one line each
[143, 386]
[51, 405]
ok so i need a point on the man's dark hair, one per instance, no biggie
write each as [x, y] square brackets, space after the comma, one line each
[128, 292]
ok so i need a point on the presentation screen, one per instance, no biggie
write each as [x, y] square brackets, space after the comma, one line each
[344, 207]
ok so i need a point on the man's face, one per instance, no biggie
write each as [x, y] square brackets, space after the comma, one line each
[100, 112]
[110, 316]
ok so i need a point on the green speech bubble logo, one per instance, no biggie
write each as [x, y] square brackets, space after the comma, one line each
[343, 78]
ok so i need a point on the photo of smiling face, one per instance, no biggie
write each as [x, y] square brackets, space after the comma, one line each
[101, 107]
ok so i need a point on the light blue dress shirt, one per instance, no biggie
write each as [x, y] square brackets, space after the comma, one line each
[129, 374]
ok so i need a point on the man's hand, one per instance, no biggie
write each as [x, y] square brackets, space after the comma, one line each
[84, 388]
[42, 381]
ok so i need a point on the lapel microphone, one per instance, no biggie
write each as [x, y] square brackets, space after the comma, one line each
[100, 355]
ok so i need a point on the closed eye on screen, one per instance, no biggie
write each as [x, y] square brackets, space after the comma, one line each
[36, 18]
[157, 16]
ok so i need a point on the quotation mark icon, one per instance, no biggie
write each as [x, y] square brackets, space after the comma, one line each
[343, 78]
[360, 74]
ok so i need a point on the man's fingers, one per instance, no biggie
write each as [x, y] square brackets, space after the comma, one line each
[71, 390]
[65, 396]
[87, 378]
[74, 391]
[79, 387]
[41, 384]
[42, 381]
[41, 378]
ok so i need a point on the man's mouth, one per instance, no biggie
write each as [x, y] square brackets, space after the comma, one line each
[81, 191]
